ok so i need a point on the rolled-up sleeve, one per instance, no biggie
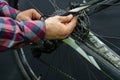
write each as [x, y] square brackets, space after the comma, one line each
[14, 33]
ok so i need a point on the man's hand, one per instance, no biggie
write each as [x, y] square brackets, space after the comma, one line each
[59, 27]
[30, 14]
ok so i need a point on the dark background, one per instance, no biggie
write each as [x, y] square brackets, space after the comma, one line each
[105, 23]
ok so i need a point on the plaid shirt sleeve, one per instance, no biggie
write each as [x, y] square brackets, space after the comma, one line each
[14, 33]
[7, 11]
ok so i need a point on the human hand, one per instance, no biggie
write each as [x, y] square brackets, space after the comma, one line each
[30, 14]
[59, 27]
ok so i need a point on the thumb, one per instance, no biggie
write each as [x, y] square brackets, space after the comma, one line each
[35, 15]
[65, 19]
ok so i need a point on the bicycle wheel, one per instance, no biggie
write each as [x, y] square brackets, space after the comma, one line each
[30, 65]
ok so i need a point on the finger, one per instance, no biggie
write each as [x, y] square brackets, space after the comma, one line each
[24, 19]
[35, 15]
[65, 19]
[71, 25]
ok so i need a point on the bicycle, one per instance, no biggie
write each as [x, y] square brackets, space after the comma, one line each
[87, 44]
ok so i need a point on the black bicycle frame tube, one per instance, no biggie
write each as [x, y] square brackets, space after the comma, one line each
[105, 4]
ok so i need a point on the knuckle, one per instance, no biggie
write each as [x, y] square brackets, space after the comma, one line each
[32, 10]
[65, 33]
[57, 16]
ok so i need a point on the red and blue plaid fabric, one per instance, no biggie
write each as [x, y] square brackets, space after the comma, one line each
[14, 33]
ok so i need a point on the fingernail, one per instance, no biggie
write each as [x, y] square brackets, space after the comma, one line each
[70, 15]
